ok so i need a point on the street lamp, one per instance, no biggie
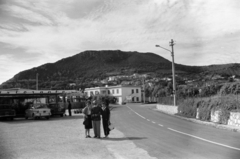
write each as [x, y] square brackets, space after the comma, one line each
[171, 43]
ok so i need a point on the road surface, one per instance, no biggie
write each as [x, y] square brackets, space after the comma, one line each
[166, 136]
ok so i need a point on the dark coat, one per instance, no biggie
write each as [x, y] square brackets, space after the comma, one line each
[96, 113]
[106, 114]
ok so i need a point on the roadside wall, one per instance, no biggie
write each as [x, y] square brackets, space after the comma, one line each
[167, 109]
[215, 116]
[234, 119]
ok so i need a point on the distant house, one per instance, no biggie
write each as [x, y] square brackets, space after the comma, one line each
[72, 84]
[166, 79]
[135, 75]
[217, 77]
[112, 78]
[145, 75]
[104, 81]
[123, 94]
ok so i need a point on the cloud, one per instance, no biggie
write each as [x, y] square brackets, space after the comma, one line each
[46, 31]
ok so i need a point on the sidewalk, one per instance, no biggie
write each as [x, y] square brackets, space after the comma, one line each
[63, 138]
[216, 125]
[116, 146]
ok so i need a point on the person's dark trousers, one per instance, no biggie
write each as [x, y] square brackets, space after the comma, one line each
[69, 112]
[105, 127]
[96, 128]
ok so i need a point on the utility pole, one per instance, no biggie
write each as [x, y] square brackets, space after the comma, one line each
[37, 81]
[171, 43]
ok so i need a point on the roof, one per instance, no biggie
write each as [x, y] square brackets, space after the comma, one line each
[109, 87]
[32, 93]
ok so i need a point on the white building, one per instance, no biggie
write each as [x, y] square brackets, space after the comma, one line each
[123, 94]
[112, 78]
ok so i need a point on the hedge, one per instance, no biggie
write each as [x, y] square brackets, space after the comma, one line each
[225, 104]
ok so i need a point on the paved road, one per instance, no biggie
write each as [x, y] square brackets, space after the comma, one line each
[165, 136]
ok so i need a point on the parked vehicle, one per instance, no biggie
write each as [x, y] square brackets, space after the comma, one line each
[38, 110]
[57, 109]
[7, 112]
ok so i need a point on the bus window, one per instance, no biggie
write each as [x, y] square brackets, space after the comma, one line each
[52, 99]
[60, 99]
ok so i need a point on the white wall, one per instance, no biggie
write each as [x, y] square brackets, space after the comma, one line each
[127, 91]
[122, 93]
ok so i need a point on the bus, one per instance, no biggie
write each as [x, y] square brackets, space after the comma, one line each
[14, 103]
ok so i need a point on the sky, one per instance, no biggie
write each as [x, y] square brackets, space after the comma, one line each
[35, 32]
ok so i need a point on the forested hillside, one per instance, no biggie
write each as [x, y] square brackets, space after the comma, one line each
[86, 67]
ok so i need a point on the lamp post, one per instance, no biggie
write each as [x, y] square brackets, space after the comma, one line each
[171, 43]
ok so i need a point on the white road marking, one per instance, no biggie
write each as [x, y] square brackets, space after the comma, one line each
[205, 140]
[142, 116]
[136, 113]
[190, 134]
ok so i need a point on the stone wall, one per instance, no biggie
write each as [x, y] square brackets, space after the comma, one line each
[167, 109]
[234, 119]
[215, 116]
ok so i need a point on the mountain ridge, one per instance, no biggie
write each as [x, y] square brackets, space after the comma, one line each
[90, 65]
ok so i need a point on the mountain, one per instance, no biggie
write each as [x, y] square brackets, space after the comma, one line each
[90, 65]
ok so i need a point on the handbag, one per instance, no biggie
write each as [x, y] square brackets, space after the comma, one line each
[110, 126]
[85, 122]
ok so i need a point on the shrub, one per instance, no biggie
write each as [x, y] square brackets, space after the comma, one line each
[205, 110]
[225, 104]
[188, 108]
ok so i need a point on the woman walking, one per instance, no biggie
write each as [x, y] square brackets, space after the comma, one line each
[87, 119]
[105, 119]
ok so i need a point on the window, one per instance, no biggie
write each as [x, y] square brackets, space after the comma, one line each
[137, 99]
[113, 91]
[117, 91]
[109, 92]
[136, 90]
[132, 91]
[133, 99]
[96, 92]
[103, 92]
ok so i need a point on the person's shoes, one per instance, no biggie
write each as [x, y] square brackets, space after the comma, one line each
[95, 136]
[86, 136]
[99, 137]
[89, 136]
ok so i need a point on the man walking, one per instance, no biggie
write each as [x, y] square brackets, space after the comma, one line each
[96, 119]
[69, 108]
